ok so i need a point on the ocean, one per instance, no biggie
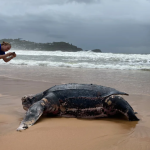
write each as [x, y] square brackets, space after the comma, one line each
[84, 59]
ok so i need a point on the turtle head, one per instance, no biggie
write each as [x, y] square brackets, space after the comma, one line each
[27, 101]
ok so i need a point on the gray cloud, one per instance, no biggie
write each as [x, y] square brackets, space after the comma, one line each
[83, 1]
[118, 26]
[44, 2]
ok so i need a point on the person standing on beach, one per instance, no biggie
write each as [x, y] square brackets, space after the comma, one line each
[4, 47]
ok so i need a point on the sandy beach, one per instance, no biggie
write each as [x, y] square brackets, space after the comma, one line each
[71, 133]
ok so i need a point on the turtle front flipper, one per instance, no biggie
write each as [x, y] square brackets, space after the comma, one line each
[119, 104]
[32, 115]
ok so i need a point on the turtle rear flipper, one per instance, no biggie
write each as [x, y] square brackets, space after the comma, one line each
[119, 104]
[32, 115]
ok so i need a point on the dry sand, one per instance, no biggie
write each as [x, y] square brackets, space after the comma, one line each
[71, 133]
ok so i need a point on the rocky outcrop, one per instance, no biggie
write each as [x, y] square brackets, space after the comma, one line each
[96, 50]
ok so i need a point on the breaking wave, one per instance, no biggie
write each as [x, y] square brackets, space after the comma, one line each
[84, 59]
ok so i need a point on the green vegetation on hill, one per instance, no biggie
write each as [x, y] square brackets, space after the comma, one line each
[27, 45]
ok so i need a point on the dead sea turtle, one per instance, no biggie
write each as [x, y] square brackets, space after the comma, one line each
[75, 100]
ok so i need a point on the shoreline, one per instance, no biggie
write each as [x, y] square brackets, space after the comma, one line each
[130, 81]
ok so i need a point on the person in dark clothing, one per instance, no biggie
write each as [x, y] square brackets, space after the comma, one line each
[4, 47]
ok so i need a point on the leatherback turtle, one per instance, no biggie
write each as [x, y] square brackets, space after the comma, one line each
[75, 100]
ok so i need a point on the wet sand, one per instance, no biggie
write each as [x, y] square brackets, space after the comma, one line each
[71, 133]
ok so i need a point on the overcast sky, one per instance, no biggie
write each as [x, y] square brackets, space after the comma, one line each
[111, 25]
